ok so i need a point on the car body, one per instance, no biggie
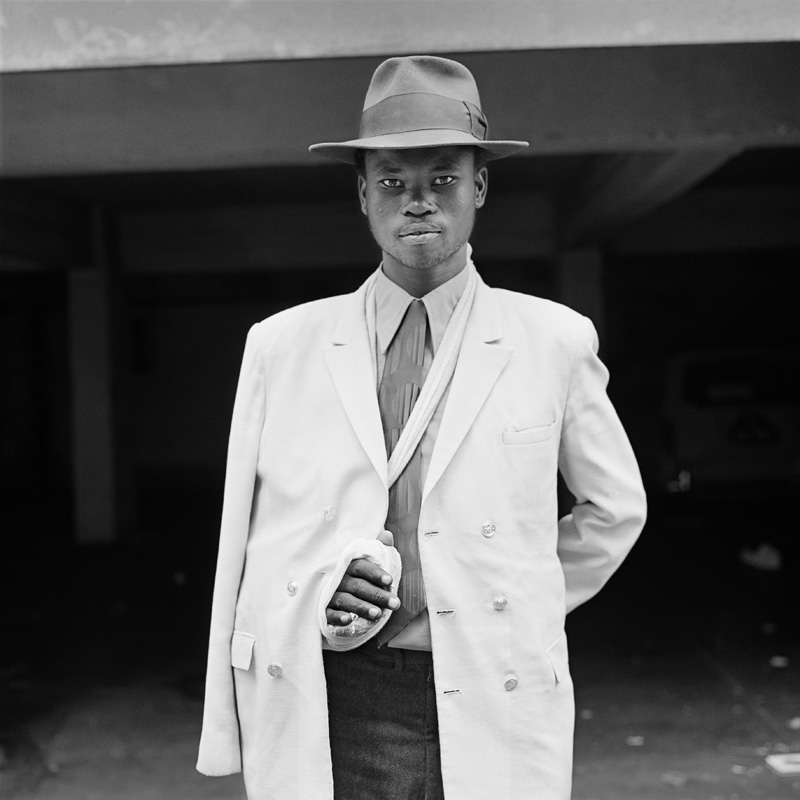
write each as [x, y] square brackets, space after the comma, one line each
[730, 423]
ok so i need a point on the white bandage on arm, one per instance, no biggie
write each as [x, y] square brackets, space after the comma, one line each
[348, 637]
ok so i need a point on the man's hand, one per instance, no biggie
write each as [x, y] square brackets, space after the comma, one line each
[363, 590]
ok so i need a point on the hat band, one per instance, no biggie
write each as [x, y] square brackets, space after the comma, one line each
[422, 111]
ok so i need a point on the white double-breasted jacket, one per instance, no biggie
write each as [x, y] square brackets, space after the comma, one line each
[307, 474]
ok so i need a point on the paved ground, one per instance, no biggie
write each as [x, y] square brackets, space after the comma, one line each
[678, 691]
[678, 720]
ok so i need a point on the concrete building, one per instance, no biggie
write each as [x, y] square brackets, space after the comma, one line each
[157, 197]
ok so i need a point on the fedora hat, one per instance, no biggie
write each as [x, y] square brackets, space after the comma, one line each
[420, 101]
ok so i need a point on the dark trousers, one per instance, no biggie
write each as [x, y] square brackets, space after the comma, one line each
[383, 726]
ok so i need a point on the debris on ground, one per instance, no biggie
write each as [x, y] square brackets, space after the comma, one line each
[784, 763]
[750, 772]
[587, 713]
[674, 778]
[779, 662]
[764, 557]
[634, 741]
[794, 724]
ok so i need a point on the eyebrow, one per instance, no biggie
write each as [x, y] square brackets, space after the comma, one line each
[447, 164]
[386, 166]
[383, 165]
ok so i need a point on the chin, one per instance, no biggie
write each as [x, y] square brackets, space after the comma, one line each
[426, 255]
[423, 262]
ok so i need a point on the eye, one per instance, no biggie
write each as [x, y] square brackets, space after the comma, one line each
[443, 180]
[391, 183]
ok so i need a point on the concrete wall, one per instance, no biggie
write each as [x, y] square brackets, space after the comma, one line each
[51, 34]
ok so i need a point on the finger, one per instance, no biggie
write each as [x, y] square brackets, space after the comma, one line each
[344, 601]
[364, 568]
[338, 618]
[387, 538]
[367, 591]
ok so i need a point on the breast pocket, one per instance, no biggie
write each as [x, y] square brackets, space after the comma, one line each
[534, 435]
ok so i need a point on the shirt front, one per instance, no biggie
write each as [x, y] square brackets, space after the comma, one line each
[391, 303]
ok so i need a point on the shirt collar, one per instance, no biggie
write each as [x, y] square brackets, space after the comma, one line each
[391, 302]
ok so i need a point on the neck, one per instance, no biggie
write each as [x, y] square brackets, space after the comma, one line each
[418, 281]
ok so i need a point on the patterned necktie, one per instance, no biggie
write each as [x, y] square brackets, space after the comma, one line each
[400, 387]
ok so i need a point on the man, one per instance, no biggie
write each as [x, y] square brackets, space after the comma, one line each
[425, 415]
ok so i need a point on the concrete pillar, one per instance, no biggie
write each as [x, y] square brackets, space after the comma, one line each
[93, 458]
[101, 510]
[579, 282]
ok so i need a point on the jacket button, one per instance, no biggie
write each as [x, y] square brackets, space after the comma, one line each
[328, 513]
[500, 603]
[275, 670]
[511, 683]
[488, 528]
[291, 588]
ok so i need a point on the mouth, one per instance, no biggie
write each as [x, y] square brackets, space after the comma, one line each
[419, 233]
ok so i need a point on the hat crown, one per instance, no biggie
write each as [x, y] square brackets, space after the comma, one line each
[425, 74]
[420, 101]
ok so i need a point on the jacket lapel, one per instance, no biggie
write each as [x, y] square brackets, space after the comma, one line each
[349, 361]
[480, 362]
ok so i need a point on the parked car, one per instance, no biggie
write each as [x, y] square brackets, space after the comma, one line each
[730, 423]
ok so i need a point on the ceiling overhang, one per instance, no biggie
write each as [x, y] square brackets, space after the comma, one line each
[218, 116]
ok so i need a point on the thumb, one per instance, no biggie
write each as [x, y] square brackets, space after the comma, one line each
[386, 537]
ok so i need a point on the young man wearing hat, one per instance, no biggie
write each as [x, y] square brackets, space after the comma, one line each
[393, 580]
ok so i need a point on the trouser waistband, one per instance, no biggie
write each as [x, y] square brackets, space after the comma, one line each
[396, 658]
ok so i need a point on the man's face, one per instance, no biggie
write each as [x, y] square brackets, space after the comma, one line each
[421, 208]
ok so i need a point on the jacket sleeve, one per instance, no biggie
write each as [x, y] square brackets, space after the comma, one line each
[219, 744]
[600, 469]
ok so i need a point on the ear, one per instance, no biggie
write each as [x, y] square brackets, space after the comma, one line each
[481, 186]
[362, 193]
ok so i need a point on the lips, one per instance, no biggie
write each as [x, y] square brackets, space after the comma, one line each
[419, 233]
[419, 227]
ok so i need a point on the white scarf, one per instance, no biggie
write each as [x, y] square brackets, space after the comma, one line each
[439, 375]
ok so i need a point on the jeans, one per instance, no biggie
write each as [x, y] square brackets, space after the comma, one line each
[383, 725]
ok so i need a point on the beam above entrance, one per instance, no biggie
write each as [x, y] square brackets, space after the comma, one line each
[718, 219]
[260, 114]
[622, 188]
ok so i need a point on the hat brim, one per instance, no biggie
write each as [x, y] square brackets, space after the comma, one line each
[408, 140]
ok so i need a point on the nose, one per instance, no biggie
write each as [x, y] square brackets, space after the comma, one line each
[419, 202]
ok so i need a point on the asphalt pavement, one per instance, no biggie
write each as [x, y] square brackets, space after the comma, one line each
[686, 671]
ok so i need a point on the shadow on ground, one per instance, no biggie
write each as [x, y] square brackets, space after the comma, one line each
[686, 669]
